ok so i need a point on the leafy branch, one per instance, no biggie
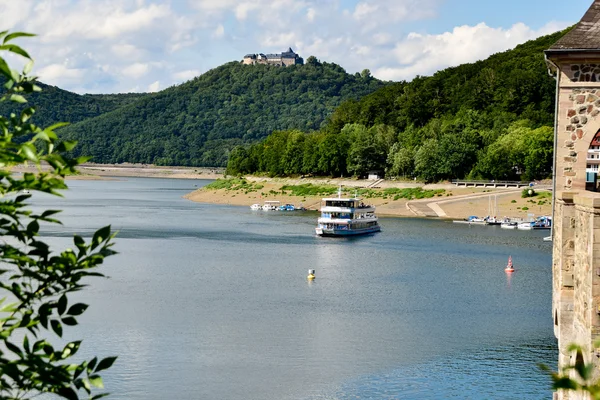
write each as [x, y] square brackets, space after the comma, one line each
[36, 281]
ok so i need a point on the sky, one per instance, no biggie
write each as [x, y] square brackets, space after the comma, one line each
[119, 46]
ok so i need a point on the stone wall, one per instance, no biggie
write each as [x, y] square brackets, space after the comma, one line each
[576, 276]
[576, 224]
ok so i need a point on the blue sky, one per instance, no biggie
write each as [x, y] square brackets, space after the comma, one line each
[113, 46]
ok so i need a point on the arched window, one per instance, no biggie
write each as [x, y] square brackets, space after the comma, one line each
[592, 161]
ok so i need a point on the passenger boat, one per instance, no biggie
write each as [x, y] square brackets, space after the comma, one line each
[346, 217]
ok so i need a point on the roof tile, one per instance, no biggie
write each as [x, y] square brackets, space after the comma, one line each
[586, 34]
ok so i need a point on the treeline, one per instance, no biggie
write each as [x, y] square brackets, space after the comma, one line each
[490, 119]
[57, 105]
[197, 123]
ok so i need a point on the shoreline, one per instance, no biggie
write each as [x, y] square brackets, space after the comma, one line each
[453, 203]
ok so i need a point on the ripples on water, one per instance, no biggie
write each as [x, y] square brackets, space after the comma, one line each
[211, 301]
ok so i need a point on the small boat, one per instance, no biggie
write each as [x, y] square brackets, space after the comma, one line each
[525, 226]
[270, 205]
[287, 207]
[542, 223]
[509, 266]
[492, 221]
[346, 217]
[509, 225]
[256, 207]
[472, 220]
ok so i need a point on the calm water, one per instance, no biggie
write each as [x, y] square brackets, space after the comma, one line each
[212, 302]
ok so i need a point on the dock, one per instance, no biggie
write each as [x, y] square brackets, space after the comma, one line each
[489, 184]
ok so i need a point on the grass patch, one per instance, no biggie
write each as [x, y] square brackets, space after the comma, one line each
[308, 189]
[233, 184]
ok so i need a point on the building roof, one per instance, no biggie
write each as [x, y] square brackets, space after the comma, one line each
[585, 35]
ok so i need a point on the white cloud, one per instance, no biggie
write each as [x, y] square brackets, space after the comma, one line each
[186, 75]
[135, 71]
[154, 86]
[53, 71]
[119, 45]
[422, 54]
[219, 32]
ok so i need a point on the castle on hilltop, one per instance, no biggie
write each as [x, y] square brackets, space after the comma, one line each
[284, 59]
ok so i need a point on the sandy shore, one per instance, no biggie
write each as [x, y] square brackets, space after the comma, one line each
[106, 171]
[454, 203]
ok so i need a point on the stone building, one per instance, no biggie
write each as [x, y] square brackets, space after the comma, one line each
[284, 59]
[574, 60]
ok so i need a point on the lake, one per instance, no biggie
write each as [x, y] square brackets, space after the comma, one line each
[212, 302]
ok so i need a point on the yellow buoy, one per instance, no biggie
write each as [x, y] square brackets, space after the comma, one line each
[311, 274]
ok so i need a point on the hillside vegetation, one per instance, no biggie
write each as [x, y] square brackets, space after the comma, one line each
[489, 119]
[57, 105]
[197, 123]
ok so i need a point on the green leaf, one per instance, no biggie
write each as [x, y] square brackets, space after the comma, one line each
[565, 383]
[105, 363]
[100, 236]
[13, 48]
[56, 126]
[15, 349]
[56, 327]
[15, 35]
[17, 98]
[62, 304]
[26, 345]
[92, 364]
[5, 69]
[77, 309]
[96, 381]
[29, 152]
[69, 321]
[67, 393]
[33, 228]
[28, 67]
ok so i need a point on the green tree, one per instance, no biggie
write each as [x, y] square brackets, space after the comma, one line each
[366, 152]
[36, 279]
[401, 161]
[426, 160]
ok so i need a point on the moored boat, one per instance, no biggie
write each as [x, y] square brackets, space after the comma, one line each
[525, 226]
[270, 205]
[256, 207]
[346, 217]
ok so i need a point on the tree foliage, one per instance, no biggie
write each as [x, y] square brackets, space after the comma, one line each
[199, 122]
[490, 119]
[37, 280]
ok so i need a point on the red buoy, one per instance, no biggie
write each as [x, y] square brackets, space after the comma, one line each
[509, 266]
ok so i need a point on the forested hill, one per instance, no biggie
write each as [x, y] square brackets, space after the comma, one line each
[197, 123]
[57, 105]
[490, 119]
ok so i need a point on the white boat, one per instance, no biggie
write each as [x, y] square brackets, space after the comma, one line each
[509, 225]
[472, 220]
[270, 205]
[525, 226]
[256, 207]
[346, 217]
